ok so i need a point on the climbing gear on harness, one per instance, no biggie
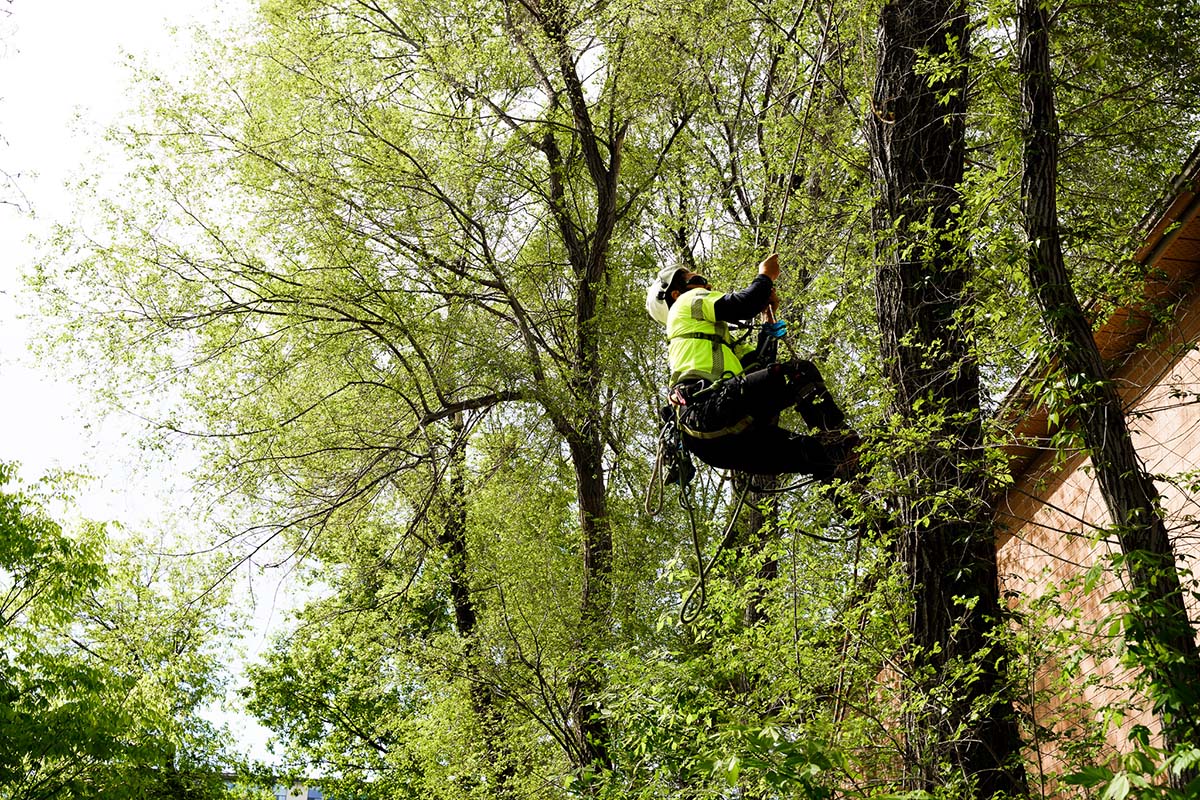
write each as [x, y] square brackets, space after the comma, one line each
[701, 404]
[676, 458]
[680, 469]
[673, 463]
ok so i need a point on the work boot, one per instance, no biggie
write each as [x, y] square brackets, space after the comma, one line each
[842, 447]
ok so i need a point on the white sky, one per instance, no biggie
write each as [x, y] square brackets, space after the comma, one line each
[62, 81]
[63, 77]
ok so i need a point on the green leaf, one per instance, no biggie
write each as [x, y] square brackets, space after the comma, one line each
[1118, 788]
[733, 769]
[1088, 776]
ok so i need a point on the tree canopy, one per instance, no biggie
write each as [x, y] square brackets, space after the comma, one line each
[110, 655]
[388, 259]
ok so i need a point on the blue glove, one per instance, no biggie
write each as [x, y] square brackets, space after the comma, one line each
[777, 329]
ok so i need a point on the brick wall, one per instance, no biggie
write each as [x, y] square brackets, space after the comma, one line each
[1051, 536]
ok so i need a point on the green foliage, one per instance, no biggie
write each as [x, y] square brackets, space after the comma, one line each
[108, 657]
[1141, 774]
[361, 245]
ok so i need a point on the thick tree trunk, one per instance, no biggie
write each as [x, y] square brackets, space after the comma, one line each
[589, 727]
[582, 425]
[944, 534]
[587, 459]
[1163, 631]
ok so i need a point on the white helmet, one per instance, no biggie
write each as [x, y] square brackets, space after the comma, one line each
[656, 294]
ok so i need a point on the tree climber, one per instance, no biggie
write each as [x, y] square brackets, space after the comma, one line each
[728, 396]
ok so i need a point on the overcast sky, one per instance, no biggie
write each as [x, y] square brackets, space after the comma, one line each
[63, 80]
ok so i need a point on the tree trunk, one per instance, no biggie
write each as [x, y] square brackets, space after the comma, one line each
[944, 535]
[1161, 637]
[582, 424]
[453, 539]
[596, 599]
[587, 459]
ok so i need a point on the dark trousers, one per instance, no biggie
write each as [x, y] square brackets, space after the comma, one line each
[749, 405]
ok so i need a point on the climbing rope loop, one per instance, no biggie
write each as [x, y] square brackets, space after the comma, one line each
[694, 603]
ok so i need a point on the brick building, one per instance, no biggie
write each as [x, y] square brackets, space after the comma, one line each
[1051, 519]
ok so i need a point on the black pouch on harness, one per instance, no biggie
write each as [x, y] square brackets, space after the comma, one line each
[718, 411]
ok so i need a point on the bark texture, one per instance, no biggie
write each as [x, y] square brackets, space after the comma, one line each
[453, 539]
[943, 533]
[582, 424]
[1161, 630]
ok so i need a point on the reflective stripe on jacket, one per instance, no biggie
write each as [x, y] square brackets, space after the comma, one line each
[699, 346]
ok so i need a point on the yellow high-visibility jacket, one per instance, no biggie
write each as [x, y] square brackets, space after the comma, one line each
[699, 346]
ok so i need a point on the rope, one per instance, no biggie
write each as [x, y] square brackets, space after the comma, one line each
[697, 597]
[812, 89]
[791, 487]
[787, 343]
[654, 505]
[850, 537]
[693, 604]
[787, 186]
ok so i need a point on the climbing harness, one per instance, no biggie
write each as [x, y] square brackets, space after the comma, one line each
[673, 464]
[707, 391]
